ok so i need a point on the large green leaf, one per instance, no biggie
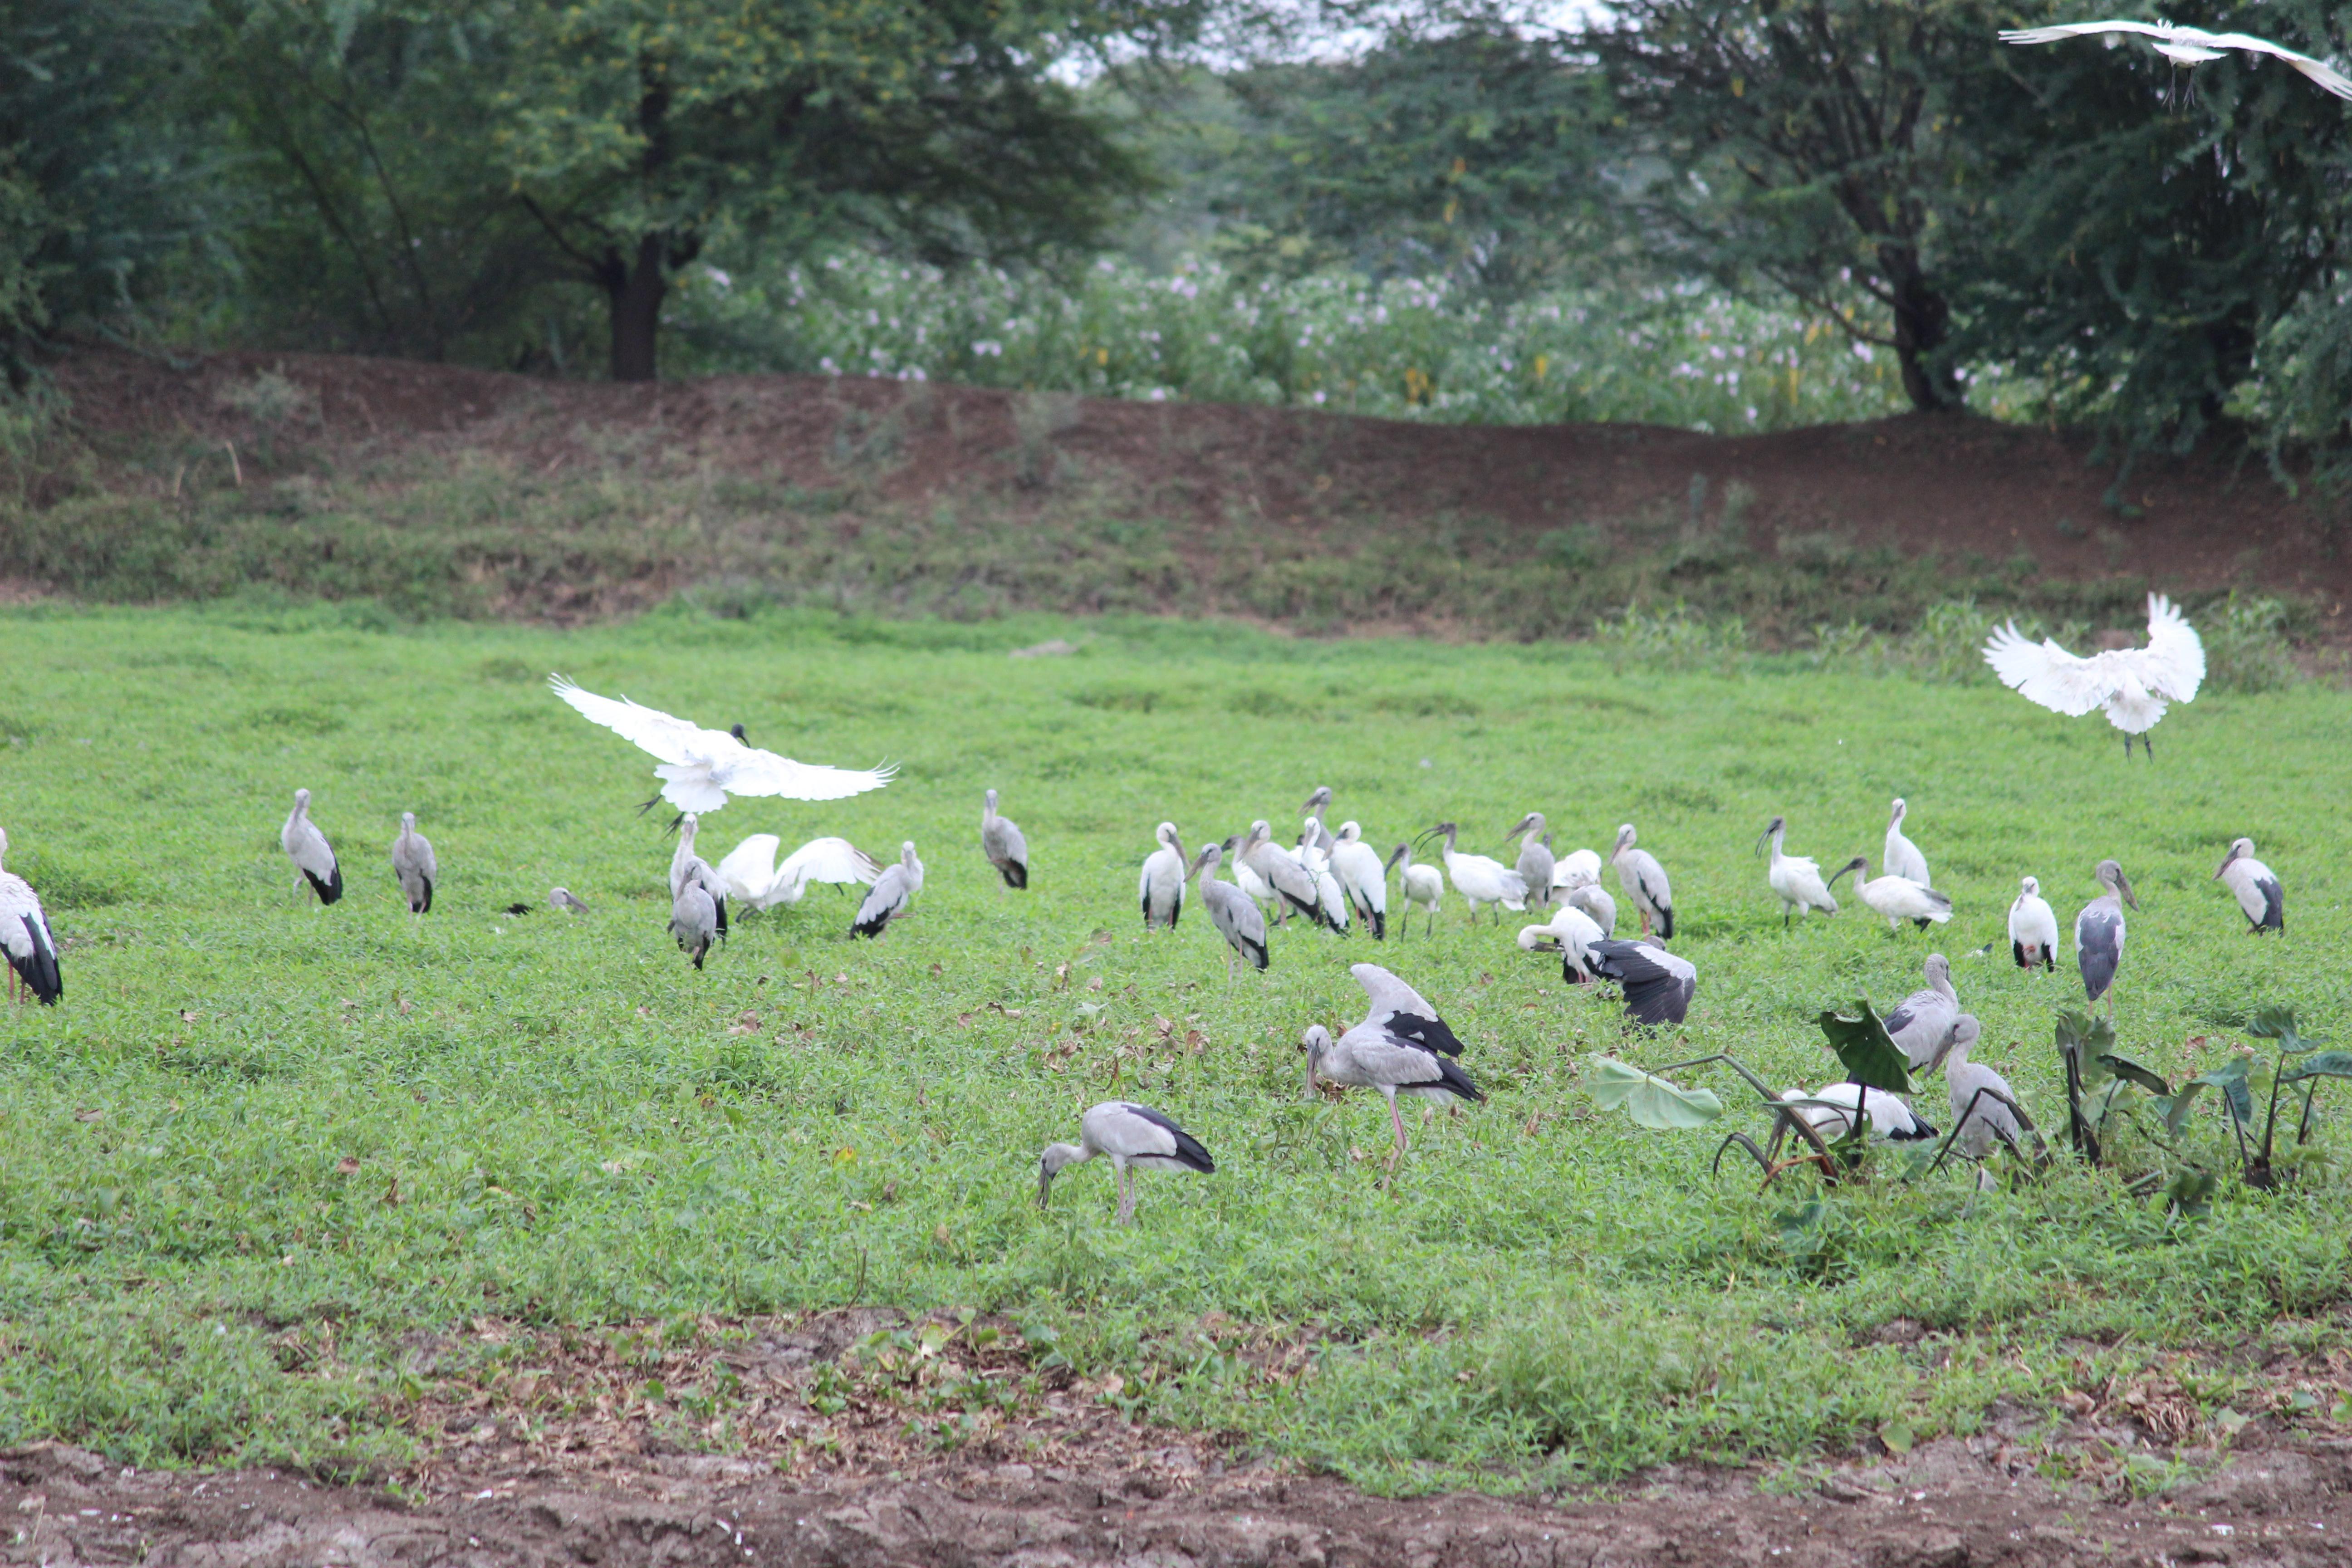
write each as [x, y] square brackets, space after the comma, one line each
[1650, 1101]
[2087, 1040]
[2327, 1064]
[2131, 1072]
[2278, 1024]
[2230, 1079]
[1869, 1055]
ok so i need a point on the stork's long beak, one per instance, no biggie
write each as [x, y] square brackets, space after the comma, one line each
[1044, 1185]
[2227, 862]
[2123, 885]
[1310, 1072]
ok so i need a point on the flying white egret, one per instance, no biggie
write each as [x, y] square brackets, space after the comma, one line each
[1234, 913]
[701, 768]
[755, 879]
[1005, 844]
[1903, 857]
[26, 938]
[2255, 885]
[311, 853]
[2099, 931]
[893, 889]
[414, 865]
[1899, 898]
[2033, 927]
[1535, 866]
[2134, 685]
[1921, 1024]
[1829, 1111]
[1644, 882]
[1794, 879]
[1424, 888]
[693, 919]
[1980, 1096]
[685, 865]
[1132, 1138]
[1574, 932]
[1280, 870]
[1160, 890]
[1392, 1051]
[1479, 879]
[1355, 866]
[564, 899]
[2189, 46]
[1658, 985]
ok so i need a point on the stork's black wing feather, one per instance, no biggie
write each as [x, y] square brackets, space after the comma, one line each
[1188, 1149]
[1425, 1030]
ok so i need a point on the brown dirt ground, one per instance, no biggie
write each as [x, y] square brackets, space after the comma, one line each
[559, 1464]
[1957, 486]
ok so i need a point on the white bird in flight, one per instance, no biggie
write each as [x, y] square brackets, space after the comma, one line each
[2190, 47]
[701, 768]
[2134, 685]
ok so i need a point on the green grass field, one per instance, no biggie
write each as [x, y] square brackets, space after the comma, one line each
[200, 1260]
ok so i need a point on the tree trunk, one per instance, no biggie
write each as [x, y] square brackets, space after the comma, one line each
[636, 294]
[1922, 320]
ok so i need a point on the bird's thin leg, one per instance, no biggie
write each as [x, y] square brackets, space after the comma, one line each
[2147, 747]
[1398, 1121]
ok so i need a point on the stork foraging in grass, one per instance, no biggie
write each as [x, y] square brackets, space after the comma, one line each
[1401, 1047]
[312, 856]
[26, 938]
[1574, 932]
[1160, 890]
[1921, 1024]
[1899, 898]
[1424, 888]
[1903, 856]
[1355, 866]
[1794, 879]
[2134, 685]
[414, 866]
[1479, 879]
[566, 900]
[1239, 922]
[1658, 985]
[1132, 1138]
[1535, 866]
[2255, 885]
[893, 890]
[754, 877]
[701, 768]
[1644, 882]
[2033, 928]
[2189, 46]
[2099, 933]
[1003, 845]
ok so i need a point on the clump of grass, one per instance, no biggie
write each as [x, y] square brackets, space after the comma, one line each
[2247, 647]
[1673, 638]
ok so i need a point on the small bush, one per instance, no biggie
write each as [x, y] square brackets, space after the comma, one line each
[2246, 646]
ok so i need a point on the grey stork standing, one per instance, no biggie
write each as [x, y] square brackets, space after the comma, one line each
[2099, 933]
[1003, 845]
[1984, 1119]
[1401, 1047]
[2255, 885]
[1644, 882]
[1160, 890]
[893, 890]
[312, 856]
[2033, 927]
[1535, 864]
[414, 865]
[1234, 913]
[685, 865]
[1318, 837]
[693, 919]
[1132, 1138]
[1658, 985]
[1922, 1023]
[26, 938]
[1282, 872]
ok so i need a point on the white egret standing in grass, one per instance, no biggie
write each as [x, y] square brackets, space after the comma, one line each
[1234, 913]
[701, 768]
[312, 856]
[1160, 890]
[2033, 927]
[1795, 879]
[893, 890]
[2099, 931]
[1644, 882]
[1903, 856]
[26, 938]
[2188, 45]
[1424, 888]
[2255, 885]
[414, 865]
[1132, 1138]
[2134, 684]
[1004, 844]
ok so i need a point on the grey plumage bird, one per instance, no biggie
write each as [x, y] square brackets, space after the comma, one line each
[1536, 864]
[565, 898]
[1003, 845]
[312, 856]
[414, 865]
[1644, 882]
[1401, 1047]
[2099, 931]
[1979, 1096]
[1132, 1138]
[1922, 1022]
[1319, 838]
[685, 865]
[1281, 871]
[891, 894]
[694, 919]
[1235, 915]
[26, 938]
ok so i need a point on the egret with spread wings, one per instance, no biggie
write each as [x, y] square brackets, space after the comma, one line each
[701, 768]
[2190, 47]
[2134, 685]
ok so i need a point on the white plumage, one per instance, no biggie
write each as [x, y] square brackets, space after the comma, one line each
[2189, 46]
[311, 853]
[1424, 888]
[414, 865]
[1005, 846]
[1131, 1137]
[2134, 685]
[1479, 879]
[755, 879]
[1576, 868]
[1899, 898]
[1330, 899]
[1795, 879]
[1644, 882]
[25, 938]
[2033, 927]
[1355, 866]
[1279, 869]
[2255, 887]
[1593, 898]
[893, 890]
[701, 768]
[1903, 856]
[1160, 888]
[1829, 1110]
[1574, 932]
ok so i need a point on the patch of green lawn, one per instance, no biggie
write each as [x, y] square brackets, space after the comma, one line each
[261, 1143]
